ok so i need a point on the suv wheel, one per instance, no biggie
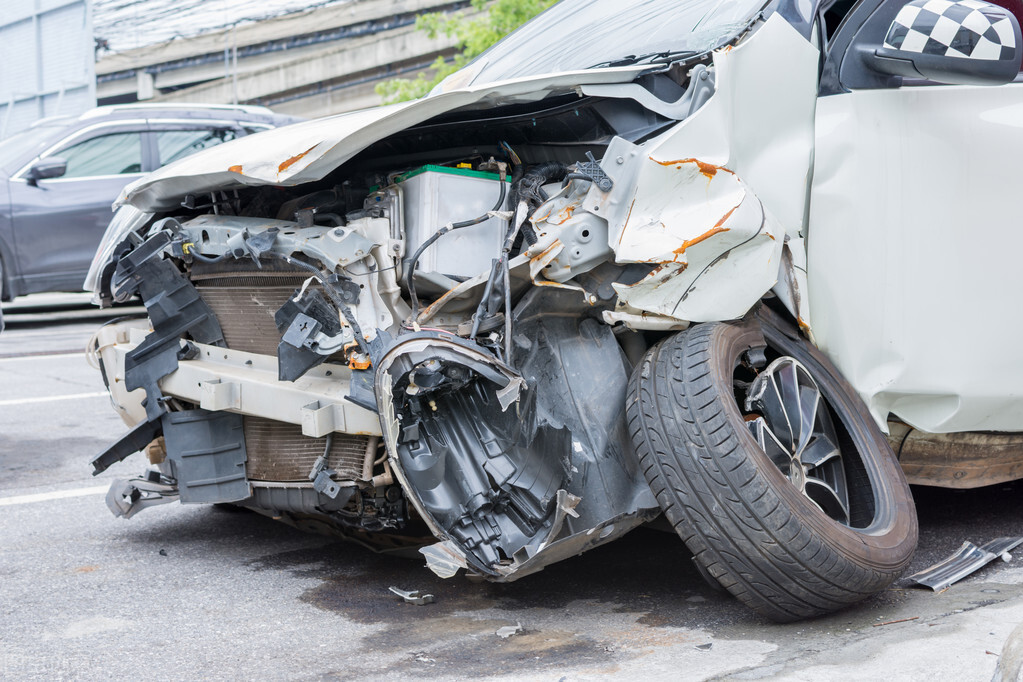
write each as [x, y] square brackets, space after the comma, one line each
[770, 467]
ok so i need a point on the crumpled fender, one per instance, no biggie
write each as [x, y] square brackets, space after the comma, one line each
[718, 202]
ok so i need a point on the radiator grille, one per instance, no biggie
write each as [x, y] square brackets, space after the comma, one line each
[278, 451]
[246, 314]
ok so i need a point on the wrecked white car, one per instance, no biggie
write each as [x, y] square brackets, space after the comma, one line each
[681, 257]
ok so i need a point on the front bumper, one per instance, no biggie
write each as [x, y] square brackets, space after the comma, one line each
[221, 379]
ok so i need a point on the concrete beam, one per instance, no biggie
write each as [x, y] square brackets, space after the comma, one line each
[287, 26]
[373, 56]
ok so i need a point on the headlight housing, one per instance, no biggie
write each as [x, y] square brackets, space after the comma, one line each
[126, 220]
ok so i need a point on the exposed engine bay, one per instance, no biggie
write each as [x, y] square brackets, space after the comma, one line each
[433, 342]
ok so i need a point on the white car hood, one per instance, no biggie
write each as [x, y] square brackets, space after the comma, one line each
[308, 151]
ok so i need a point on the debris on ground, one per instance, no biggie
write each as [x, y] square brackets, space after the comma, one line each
[968, 559]
[413, 597]
[893, 622]
[509, 630]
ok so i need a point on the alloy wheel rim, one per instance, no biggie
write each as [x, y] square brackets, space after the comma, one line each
[790, 421]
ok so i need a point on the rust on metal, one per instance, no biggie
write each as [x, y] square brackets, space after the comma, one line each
[540, 219]
[696, 240]
[726, 216]
[288, 163]
[677, 270]
[625, 225]
[546, 252]
[430, 310]
[707, 169]
[565, 215]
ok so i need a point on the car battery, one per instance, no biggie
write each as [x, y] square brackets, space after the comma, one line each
[435, 196]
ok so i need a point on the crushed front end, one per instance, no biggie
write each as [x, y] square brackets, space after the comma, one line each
[283, 367]
[427, 338]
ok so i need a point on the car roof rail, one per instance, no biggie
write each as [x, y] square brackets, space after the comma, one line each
[174, 106]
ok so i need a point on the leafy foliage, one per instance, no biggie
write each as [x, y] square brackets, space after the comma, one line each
[472, 36]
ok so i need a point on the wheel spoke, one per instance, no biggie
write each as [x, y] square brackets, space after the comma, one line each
[828, 498]
[793, 426]
[766, 399]
[820, 451]
[770, 444]
[787, 383]
[809, 397]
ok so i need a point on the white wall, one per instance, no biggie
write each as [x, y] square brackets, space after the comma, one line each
[46, 61]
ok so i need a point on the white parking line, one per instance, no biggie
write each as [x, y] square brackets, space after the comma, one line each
[55, 495]
[54, 356]
[50, 398]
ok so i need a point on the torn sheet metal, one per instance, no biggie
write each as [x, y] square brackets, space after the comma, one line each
[305, 152]
[968, 559]
[791, 286]
[716, 274]
[711, 201]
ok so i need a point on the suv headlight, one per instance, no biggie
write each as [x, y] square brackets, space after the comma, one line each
[127, 219]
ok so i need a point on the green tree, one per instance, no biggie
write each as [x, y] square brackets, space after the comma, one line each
[472, 36]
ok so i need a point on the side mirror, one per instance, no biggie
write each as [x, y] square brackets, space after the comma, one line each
[43, 169]
[958, 42]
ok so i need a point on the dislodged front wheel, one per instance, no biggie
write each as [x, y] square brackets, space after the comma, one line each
[770, 468]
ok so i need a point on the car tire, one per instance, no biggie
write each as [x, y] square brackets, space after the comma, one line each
[777, 539]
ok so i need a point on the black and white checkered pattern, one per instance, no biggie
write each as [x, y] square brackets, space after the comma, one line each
[954, 28]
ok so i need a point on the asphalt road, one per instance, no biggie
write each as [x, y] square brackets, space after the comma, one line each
[185, 592]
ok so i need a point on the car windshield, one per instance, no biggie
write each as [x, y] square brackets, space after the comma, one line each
[583, 34]
[23, 146]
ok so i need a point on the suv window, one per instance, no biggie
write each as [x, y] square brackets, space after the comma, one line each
[113, 154]
[176, 144]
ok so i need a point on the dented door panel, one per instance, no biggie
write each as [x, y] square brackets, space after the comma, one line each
[913, 252]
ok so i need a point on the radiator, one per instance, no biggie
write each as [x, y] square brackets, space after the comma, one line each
[279, 452]
[244, 301]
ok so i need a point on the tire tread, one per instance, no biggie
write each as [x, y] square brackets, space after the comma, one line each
[720, 502]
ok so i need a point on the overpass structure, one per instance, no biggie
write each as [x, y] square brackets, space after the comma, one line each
[313, 63]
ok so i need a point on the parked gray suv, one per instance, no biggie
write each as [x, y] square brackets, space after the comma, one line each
[61, 176]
